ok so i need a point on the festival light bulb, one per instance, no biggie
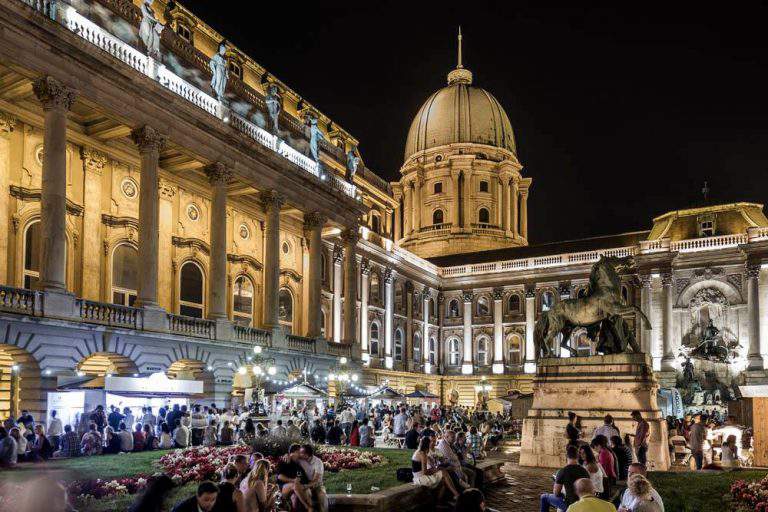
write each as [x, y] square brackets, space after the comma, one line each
[257, 370]
[257, 349]
[241, 370]
[343, 360]
[354, 377]
[271, 370]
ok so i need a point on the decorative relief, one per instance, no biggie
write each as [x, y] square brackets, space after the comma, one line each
[365, 266]
[53, 94]
[93, 160]
[244, 232]
[244, 259]
[218, 174]
[338, 254]
[498, 293]
[7, 122]
[193, 212]
[148, 139]
[736, 281]
[167, 189]
[752, 271]
[388, 275]
[707, 273]
[681, 284]
[467, 295]
[129, 188]
[192, 243]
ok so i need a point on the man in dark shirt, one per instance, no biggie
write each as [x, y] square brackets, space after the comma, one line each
[428, 430]
[115, 418]
[291, 479]
[564, 480]
[318, 433]
[334, 434]
[412, 437]
[202, 501]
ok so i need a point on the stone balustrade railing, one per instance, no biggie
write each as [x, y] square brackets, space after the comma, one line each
[109, 314]
[708, 243]
[197, 327]
[148, 66]
[300, 343]
[757, 233]
[253, 335]
[338, 349]
[17, 300]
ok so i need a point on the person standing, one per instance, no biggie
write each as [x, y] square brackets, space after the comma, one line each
[55, 429]
[642, 432]
[401, 418]
[572, 430]
[696, 438]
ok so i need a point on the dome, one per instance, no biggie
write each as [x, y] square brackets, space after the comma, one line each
[460, 112]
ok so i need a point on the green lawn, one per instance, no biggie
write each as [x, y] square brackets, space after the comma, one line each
[696, 492]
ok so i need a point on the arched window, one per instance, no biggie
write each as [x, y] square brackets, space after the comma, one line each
[483, 216]
[375, 288]
[375, 339]
[399, 294]
[547, 301]
[583, 345]
[191, 290]
[398, 345]
[417, 347]
[285, 308]
[514, 303]
[375, 223]
[482, 307]
[454, 353]
[437, 217]
[482, 351]
[432, 308]
[432, 350]
[242, 301]
[453, 308]
[514, 350]
[323, 267]
[125, 280]
[32, 255]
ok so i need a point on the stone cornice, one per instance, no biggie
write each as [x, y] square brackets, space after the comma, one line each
[33, 194]
[119, 222]
[291, 273]
[192, 243]
[246, 260]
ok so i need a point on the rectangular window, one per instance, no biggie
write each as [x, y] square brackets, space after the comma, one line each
[707, 228]
[439, 188]
[483, 186]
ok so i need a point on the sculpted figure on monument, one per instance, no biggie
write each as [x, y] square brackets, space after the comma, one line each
[315, 136]
[274, 106]
[600, 311]
[218, 67]
[352, 161]
[150, 30]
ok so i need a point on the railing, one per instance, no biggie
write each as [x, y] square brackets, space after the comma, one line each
[708, 243]
[757, 233]
[647, 246]
[144, 64]
[17, 300]
[109, 314]
[338, 349]
[436, 227]
[300, 343]
[189, 326]
[253, 335]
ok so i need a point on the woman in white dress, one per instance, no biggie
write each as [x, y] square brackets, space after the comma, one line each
[426, 474]
[595, 470]
[729, 455]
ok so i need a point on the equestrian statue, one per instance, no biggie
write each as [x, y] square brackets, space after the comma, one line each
[599, 311]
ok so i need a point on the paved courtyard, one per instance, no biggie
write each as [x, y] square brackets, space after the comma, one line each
[523, 485]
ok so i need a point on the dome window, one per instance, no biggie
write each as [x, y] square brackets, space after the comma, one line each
[438, 189]
[483, 187]
[483, 216]
[437, 217]
[706, 225]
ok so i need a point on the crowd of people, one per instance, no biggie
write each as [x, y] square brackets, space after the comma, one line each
[710, 441]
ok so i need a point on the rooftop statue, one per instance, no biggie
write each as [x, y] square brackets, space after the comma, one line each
[274, 106]
[600, 310]
[315, 136]
[218, 67]
[150, 30]
[352, 162]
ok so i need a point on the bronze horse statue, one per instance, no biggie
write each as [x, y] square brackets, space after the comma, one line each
[602, 305]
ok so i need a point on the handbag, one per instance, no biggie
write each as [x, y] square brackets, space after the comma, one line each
[404, 475]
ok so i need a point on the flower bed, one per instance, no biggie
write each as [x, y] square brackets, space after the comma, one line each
[751, 496]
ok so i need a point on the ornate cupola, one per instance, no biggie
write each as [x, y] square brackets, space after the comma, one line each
[461, 189]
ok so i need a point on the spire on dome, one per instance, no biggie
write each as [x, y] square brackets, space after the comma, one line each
[460, 75]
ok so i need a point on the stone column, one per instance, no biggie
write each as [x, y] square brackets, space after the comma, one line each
[425, 330]
[407, 209]
[467, 199]
[93, 167]
[56, 99]
[398, 232]
[513, 220]
[150, 143]
[388, 317]
[365, 272]
[388, 223]
[271, 202]
[505, 204]
[530, 322]
[668, 299]
[524, 214]
[7, 123]
[313, 226]
[350, 237]
[466, 367]
[456, 209]
[498, 331]
[645, 307]
[338, 257]
[754, 356]
[165, 280]
[219, 177]
[417, 205]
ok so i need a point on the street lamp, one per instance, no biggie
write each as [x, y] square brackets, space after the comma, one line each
[343, 377]
[483, 386]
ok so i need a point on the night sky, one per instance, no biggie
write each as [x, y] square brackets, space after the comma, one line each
[619, 114]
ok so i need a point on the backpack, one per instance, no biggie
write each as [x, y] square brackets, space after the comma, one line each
[404, 475]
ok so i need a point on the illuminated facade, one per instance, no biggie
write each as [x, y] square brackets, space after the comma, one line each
[149, 226]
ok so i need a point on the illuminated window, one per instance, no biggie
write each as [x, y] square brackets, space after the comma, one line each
[375, 288]
[482, 307]
[432, 350]
[707, 228]
[32, 255]
[235, 69]
[483, 186]
[438, 187]
[398, 345]
[454, 354]
[453, 308]
[417, 347]
[483, 216]
[482, 352]
[184, 32]
[124, 275]
[374, 339]
[437, 217]
[191, 290]
[514, 303]
[514, 350]
[242, 303]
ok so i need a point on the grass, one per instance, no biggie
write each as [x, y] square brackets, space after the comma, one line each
[695, 492]
[116, 466]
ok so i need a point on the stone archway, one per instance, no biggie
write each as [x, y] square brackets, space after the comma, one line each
[21, 384]
[103, 363]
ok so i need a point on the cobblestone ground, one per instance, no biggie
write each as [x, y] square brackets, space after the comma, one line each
[523, 486]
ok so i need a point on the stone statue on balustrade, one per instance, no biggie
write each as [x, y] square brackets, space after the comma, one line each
[601, 311]
[315, 136]
[352, 162]
[150, 30]
[218, 67]
[274, 105]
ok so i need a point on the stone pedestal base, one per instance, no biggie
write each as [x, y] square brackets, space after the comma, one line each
[591, 387]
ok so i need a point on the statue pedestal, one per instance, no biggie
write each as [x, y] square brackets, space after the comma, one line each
[591, 387]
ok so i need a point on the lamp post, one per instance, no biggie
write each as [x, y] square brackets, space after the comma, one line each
[261, 368]
[482, 388]
[343, 377]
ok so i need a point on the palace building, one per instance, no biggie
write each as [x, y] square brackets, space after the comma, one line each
[150, 225]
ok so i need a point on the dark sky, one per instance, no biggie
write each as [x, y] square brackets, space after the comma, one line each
[619, 114]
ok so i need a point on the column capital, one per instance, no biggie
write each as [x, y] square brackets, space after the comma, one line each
[498, 293]
[467, 296]
[218, 174]
[350, 235]
[666, 278]
[53, 94]
[524, 193]
[93, 159]
[389, 275]
[645, 280]
[365, 266]
[530, 293]
[148, 139]
[752, 271]
[314, 220]
[7, 122]
[338, 254]
[271, 199]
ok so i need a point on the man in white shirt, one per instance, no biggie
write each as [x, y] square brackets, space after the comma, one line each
[445, 451]
[607, 429]
[279, 430]
[181, 436]
[148, 418]
[399, 428]
[128, 418]
[126, 438]
[313, 468]
[345, 419]
[629, 500]
[55, 429]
